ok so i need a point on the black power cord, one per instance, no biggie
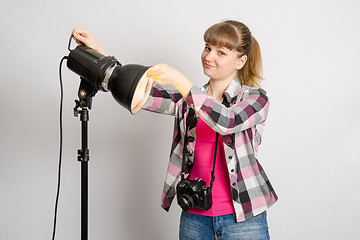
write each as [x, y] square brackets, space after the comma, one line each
[60, 148]
[60, 143]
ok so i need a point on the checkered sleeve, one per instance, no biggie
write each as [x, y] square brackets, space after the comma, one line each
[249, 110]
[162, 100]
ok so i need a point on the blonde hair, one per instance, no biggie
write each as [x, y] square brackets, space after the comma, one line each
[236, 35]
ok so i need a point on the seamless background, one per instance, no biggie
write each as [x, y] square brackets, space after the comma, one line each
[310, 150]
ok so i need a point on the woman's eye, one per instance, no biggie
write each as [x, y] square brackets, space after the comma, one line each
[207, 49]
[221, 53]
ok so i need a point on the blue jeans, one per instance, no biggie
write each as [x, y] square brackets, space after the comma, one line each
[197, 227]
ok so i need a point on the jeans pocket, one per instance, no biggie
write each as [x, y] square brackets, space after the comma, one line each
[257, 216]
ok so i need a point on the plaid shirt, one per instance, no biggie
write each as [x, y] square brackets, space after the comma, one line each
[240, 120]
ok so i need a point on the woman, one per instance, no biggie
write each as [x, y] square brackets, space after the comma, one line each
[231, 104]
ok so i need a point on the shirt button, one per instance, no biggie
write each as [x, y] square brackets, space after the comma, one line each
[232, 170]
[190, 139]
[189, 164]
[234, 184]
[229, 144]
[230, 157]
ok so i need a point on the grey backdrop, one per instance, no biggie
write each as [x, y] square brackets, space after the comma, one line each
[310, 149]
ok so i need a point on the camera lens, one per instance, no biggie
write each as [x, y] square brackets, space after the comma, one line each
[186, 202]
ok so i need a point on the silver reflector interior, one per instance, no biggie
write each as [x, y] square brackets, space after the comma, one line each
[141, 93]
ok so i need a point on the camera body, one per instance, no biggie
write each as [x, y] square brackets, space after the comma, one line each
[193, 193]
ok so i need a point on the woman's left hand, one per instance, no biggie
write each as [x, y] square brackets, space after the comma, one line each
[167, 75]
[83, 36]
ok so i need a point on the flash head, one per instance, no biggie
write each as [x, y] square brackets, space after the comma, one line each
[128, 84]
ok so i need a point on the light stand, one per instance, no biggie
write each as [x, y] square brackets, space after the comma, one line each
[128, 85]
[86, 93]
[83, 157]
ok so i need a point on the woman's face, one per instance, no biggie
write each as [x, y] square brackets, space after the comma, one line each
[220, 63]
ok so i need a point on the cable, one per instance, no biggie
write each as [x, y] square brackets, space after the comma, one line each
[60, 148]
[61, 141]
[70, 42]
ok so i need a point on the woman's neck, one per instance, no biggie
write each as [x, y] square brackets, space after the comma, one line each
[217, 88]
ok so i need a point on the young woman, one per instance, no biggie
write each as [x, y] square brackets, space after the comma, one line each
[230, 104]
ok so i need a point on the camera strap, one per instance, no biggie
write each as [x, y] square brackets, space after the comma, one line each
[189, 121]
[213, 169]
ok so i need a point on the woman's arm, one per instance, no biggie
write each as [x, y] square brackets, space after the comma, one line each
[247, 112]
[162, 100]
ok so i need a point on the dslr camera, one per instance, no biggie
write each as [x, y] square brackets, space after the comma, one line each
[193, 193]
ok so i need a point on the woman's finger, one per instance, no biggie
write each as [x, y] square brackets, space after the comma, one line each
[153, 76]
[154, 70]
[83, 32]
[80, 38]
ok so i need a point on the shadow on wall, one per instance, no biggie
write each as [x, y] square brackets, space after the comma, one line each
[145, 171]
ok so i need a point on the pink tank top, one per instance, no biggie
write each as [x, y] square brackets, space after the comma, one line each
[203, 163]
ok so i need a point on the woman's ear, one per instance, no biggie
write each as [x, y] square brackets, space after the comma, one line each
[241, 62]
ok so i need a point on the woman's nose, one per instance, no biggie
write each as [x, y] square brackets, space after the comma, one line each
[209, 56]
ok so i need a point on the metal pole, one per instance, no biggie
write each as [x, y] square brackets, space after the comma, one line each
[83, 157]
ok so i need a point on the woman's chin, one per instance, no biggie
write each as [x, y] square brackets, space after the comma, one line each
[207, 72]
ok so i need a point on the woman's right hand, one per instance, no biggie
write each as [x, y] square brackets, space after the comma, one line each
[166, 75]
[83, 36]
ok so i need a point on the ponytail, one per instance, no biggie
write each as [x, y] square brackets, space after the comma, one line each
[251, 73]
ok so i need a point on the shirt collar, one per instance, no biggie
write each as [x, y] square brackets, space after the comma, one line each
[231, 91]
